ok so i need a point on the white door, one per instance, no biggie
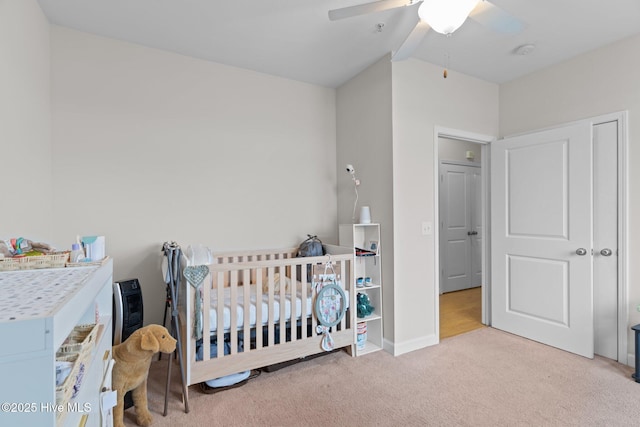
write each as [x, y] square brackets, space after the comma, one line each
[541, 204]
[461, 227]
[605, 238]
[476, 227]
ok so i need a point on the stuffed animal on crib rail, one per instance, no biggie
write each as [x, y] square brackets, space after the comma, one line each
[133, 358]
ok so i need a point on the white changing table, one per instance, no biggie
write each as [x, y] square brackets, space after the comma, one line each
[38, 310]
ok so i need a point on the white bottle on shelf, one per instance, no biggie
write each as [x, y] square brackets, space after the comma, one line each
[77, 254]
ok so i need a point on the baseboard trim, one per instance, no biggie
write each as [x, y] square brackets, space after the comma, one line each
[408, 346]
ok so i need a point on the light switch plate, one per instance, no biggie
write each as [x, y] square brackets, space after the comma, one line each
[427, 228]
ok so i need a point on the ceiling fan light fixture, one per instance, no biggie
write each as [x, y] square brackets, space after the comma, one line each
[445, 16]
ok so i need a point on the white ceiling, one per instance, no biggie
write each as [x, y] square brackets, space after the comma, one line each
[295, 39]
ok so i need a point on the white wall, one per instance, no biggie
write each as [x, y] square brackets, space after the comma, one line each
[456, 150]
[151, 146]
[25, 122]
[364, 136]
[422, 100]
[599, 82]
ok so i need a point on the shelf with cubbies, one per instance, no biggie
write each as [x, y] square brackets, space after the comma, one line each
[367, 275]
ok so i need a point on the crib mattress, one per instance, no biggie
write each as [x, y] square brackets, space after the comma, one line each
[240, 308]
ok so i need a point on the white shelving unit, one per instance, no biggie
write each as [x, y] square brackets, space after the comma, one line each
[38, 310]
[367, 237]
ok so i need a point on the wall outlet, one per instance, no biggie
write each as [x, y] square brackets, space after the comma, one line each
[427, 229]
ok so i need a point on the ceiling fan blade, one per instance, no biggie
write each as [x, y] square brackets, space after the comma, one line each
[412, 42]
[499, 20]
[362, 9]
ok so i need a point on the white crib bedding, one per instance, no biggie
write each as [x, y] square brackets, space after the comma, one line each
[240, 307]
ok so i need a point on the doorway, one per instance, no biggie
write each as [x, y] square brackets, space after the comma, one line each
[461, 231]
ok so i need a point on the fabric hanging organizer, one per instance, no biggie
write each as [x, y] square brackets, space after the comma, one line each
[197, 259]
[330, 304]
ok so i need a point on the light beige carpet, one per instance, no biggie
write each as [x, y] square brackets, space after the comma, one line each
[482, 378]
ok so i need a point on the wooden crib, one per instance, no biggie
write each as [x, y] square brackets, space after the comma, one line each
[268, 332]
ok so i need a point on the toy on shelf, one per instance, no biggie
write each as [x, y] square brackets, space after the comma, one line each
[21, 246]
[364, 305]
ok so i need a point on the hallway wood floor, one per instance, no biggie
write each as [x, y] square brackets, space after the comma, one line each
[460, 312]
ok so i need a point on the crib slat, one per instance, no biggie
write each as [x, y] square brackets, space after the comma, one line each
[271, 322]
[259, 273]
[206, 324]
[220, 321]
[233, 314]
[314, 318]
[343, 285]
[246, 303]
[283, 306]
[293, 293]
[304, 283]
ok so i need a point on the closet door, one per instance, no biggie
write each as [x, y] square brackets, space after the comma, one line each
[460, 245]
[541, 207]
[605, 240]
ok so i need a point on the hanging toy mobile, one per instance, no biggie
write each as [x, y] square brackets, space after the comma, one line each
[330, 304]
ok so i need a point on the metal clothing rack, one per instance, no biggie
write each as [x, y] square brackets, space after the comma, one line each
[167, 306]
[173, 253]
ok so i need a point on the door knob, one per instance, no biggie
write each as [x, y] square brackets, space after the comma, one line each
[471, 233]
[606, 252]
[581, 251]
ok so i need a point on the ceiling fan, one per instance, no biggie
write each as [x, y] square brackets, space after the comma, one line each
[429, 13]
